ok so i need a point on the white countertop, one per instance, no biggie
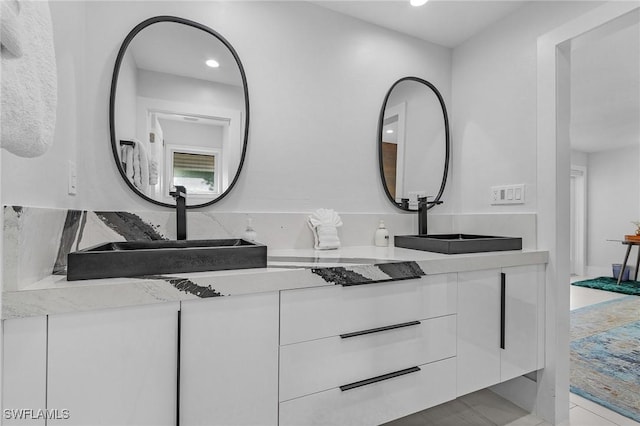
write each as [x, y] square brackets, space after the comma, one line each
[287, 269]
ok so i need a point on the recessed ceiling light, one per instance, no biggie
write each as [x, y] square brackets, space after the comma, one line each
[212, 63]
[417, 2]
[390, 131]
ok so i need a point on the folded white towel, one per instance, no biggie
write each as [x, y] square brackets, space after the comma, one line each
[29, 82]
[324, 223]
[10, 28]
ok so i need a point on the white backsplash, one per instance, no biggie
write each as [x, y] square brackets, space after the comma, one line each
[33, 237]
[31, 242]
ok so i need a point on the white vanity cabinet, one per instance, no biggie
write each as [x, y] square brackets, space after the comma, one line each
[24, 369]
[114, 366]
[500, 325]
[325, 355]
[366, 354]
[229, 360]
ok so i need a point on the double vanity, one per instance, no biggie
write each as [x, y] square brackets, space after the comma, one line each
[362, 335]
[148, 330]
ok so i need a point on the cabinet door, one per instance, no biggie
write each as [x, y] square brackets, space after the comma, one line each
[114, 367]
[229, 361]
[24, 369]
[520, 355]
[478, 353]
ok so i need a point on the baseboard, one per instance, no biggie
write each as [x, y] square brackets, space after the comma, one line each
[601, 271]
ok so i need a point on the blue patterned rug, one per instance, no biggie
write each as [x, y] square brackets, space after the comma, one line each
[605, 354]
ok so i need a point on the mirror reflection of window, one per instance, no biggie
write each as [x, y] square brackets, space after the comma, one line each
[196, 172]
[195, 154]
[197, 169]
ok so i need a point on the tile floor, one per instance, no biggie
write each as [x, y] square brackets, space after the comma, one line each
[485, 408]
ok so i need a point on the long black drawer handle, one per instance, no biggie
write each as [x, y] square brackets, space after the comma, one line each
[503, 303]
[379, 329]
[378, 378]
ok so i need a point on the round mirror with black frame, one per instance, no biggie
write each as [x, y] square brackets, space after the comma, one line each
[178, 112]
[413, 143]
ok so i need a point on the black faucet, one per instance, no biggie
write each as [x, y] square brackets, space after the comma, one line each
[423, 206]
[180, 194]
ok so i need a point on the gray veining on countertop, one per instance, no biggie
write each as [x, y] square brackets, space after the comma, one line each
[288, 269]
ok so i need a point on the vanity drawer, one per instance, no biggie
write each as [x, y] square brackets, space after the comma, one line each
[375, 403]
[318, 365]
[314, 313]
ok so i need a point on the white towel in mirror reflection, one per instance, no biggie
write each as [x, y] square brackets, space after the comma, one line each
[137, 165]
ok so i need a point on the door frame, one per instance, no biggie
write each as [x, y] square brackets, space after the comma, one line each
[553, 165]
[579, 175]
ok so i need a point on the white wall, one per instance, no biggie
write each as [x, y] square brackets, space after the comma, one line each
[612, 204]
[176, 88]
[494, 106]
[579, 158]
[316, 83]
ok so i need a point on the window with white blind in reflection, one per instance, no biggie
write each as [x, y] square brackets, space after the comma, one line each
[196, 169]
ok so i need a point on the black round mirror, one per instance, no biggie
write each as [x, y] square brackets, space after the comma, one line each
[413, 143]
[178, 112]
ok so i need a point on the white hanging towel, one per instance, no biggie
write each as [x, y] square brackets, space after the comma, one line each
[29, 79]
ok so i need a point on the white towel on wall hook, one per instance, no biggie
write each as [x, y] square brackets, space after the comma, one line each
[10, 28]
[29, 78]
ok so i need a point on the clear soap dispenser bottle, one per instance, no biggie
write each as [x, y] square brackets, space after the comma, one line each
[382, 235]
[250, 234]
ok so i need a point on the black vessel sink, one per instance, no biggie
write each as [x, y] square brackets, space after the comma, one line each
[457, 243]
[134, 258]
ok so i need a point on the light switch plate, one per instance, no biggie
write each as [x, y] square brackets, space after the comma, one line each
[507, 194]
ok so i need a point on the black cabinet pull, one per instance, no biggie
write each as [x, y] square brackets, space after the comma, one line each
[378, 378]
[379, 329]
[384, 280]
[178, 370]
[503, 303]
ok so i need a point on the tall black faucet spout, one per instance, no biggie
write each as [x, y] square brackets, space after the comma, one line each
[423, 229]
[180, 194]
[423, 207]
